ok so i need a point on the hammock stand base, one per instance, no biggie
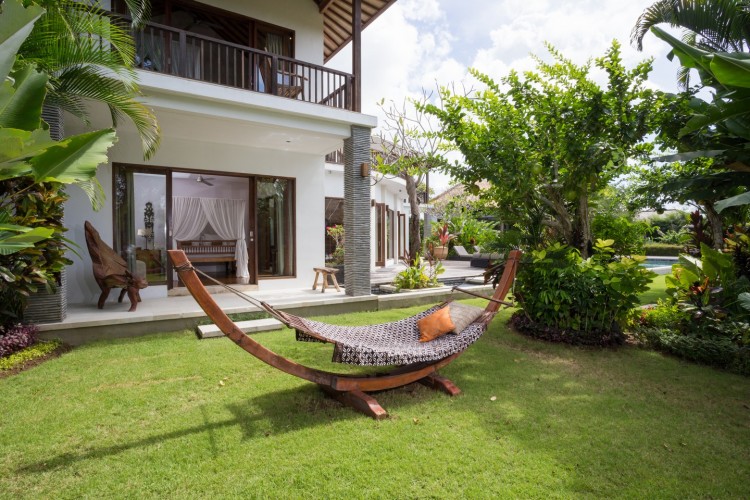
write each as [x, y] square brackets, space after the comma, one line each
[348, 389]
[368, 405]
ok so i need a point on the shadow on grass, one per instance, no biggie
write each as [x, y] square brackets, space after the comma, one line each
[272, 413]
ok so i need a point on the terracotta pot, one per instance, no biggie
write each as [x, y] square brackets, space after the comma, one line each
[440, 252]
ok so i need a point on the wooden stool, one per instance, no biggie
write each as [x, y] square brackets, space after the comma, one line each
[326, 272]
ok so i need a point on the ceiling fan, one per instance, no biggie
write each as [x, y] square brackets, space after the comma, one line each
[204, 180]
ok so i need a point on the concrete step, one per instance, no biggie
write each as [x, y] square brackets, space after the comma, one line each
[252, 326]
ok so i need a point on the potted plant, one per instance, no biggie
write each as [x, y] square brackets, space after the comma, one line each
[336, 259]
[444, 237]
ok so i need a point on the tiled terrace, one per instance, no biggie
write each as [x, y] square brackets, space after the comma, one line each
[85, 322]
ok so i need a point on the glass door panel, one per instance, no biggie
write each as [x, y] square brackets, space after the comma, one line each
[275, 226]
[140, 224]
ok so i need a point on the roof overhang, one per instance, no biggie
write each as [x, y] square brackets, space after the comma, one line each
[337, 21]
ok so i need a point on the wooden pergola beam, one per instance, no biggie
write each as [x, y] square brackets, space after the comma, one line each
[357, 53]
[324, 4]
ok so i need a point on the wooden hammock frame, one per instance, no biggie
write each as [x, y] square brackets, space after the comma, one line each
[349, 389]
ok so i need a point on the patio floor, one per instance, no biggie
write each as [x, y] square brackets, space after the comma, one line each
[84, 322]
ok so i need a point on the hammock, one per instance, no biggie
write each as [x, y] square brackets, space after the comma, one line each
[395, 343]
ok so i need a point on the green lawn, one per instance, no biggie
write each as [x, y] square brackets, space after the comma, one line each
[656, 291]
[148, 418]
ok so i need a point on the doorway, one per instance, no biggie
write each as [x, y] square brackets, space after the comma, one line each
[146, 224]
[213, 222]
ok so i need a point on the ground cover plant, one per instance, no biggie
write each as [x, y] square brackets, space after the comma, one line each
[706, 314]
[168, 415]
[20, 348]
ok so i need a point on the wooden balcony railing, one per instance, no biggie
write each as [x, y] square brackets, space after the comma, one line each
[336, 157]
[189, 55]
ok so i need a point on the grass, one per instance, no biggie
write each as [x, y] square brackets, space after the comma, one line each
[149, 418]
[656, 291]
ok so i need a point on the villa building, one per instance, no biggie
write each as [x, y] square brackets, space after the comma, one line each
[248, 113]
[389, 212]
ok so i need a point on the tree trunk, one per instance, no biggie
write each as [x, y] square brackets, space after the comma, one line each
[714, 221]
[415, 241]
[561, 215]
[583, 231]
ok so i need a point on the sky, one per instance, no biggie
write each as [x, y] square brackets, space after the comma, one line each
[423, 44]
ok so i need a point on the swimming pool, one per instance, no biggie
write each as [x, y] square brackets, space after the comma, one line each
[658, 262]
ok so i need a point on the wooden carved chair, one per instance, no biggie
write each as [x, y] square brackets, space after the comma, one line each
[111, 270]
[287, 84]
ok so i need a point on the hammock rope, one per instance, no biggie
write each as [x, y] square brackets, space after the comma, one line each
[266, 306]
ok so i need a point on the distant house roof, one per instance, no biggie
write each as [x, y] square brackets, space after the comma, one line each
[456, 190]
[337, 21]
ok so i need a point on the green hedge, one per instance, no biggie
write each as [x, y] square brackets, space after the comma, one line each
[663, 249]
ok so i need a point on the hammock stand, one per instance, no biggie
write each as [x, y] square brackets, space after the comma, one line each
[348, 389]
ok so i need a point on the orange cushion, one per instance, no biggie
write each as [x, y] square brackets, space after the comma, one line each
[435, 325]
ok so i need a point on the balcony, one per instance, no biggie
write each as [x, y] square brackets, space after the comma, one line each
[181, 53]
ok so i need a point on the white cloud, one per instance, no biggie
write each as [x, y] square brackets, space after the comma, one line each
[417, 43]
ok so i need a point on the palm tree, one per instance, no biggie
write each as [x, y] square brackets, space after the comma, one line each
[712, 25]
[715, 42]
[89, 57]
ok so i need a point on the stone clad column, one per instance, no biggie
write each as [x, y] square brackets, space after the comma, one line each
[357, 213]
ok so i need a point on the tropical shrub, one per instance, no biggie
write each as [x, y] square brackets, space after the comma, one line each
[470, 232]
[504, 240]
[674, 237]
[567, 298]
[39, 266]
[16, 338]
[738, 242]
[443, 234]
[629, 236]
[33, 167]
[707, 319]
[336, 232]
[666, 314]
[669, 222]
[709, 289]
[419, 274]
[699, 233]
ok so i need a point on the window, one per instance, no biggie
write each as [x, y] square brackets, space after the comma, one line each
[390, 232]
[402, 235]
[380, 234]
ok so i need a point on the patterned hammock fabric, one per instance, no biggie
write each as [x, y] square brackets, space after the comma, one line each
[395, 343]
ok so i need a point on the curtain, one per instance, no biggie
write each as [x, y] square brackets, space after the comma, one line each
[281, 243]
[227, 218]
[275, 44]
[188, 219]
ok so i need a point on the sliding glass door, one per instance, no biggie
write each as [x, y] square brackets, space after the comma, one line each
[140, 220]
[252, 215]
[275, 226]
